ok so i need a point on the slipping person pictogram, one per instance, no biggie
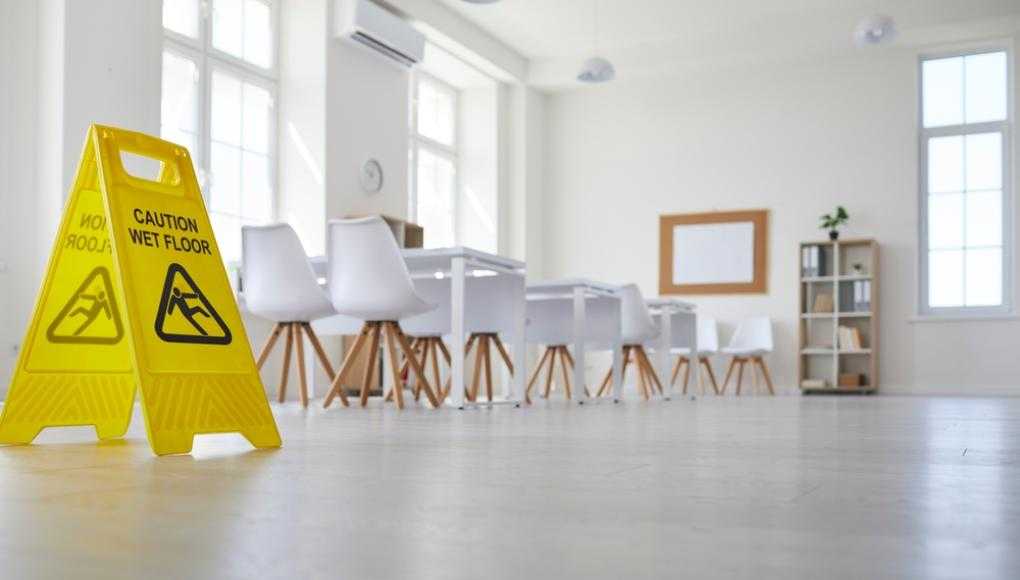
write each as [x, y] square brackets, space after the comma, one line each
[90, 316]
[185, 314]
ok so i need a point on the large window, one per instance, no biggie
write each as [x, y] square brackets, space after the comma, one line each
[434, 196]
[966, 225]
[219, 90]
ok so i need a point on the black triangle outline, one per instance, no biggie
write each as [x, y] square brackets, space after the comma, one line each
[104, 274]
[164, 300]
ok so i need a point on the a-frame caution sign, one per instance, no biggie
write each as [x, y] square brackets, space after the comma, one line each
[136, 295]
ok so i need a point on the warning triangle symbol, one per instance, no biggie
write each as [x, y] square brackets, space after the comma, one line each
[185, 314]
[91, 315]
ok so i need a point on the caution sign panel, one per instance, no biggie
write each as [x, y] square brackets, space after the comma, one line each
[136, 295]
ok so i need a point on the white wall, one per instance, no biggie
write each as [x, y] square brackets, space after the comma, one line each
[302, 120]
[60, 75]
[367, 100]
[796, 139]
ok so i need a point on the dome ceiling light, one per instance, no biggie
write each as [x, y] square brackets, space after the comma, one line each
[596, 69]
[875, 30]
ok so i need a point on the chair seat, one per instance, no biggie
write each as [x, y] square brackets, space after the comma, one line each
[744, 351]
[305, 311]
[369, 312]
[686, 351]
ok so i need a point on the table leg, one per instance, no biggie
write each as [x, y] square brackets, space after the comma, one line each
[519, 346]
[665, 341]
[580, 328]
[457, 283]
[618, 355]
[693, 341]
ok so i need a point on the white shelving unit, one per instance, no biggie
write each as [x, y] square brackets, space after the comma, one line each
[820, 356]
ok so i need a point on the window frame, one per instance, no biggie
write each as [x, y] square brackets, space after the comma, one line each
[419, 142]
[208, 58]
[1003, 127]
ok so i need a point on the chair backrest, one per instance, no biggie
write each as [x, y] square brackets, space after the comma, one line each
[276, 276]
[366, 273]
[708, 335]
[636, 324]
[754, 333]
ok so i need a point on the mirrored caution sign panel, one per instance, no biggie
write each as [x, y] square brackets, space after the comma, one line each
[136, 294]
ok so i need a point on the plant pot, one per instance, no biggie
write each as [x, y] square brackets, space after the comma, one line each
[834, 235]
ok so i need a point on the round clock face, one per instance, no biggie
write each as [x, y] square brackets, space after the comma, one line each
[371, 176]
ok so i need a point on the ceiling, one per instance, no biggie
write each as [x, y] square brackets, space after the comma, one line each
[555, 35]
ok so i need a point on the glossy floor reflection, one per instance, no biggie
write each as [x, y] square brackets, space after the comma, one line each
[789, 487]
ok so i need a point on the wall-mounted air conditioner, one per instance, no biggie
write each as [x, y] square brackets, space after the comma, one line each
[368, 24]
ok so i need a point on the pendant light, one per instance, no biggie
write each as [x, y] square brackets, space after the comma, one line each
[596, 69]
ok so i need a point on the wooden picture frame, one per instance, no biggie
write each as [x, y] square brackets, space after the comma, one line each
[737, 229]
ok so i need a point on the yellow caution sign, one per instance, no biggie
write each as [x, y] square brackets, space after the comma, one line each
[136, 294]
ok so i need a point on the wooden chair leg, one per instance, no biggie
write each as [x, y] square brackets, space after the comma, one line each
[486, 348]
[373, 354]
[642, 384]
[687, 374]
[415, 367]
[391, 351]
[534, 375]
[565, 367]
[740, 375]
[503, 354]
[604, 385]
[729, 371]
[423, 348]
[320, 352]
[281, 393]
[711, 375]
[676, 369]
[336, 388]
[765, 373]
[476, 372]
[268, 346]
[433, 345]
[653, 376]
[299, 344]
[549, 374]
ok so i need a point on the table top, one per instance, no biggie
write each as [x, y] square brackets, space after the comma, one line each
[565, 288]
[665, 303]
[432, 260]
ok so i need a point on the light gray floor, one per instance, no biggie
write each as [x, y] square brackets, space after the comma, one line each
[715, 488]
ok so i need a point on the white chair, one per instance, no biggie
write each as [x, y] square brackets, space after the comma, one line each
[368, 281]
[637, 328]
[750, 342]
[279, 284]
[550, 323]
[481, 321]
[708, 346]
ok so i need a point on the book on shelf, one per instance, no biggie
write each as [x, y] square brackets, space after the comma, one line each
[812, 261]
[849, 338]
[823, 303]
[814, 384]
[855, 296]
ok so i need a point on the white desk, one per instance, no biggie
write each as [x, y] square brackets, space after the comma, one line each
[603, 328]
[674, 318]
[456, 265]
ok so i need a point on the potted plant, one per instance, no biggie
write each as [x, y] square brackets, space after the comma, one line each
[832, 221]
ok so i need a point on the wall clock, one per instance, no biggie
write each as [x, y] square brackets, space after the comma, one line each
[371, 176]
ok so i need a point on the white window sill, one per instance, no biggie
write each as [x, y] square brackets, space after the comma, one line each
[921, 318]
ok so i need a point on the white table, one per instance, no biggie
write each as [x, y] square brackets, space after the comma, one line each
[595, 318]
[456, 265]
[680, 318]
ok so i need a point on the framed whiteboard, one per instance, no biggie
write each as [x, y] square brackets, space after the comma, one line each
[713, 253]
